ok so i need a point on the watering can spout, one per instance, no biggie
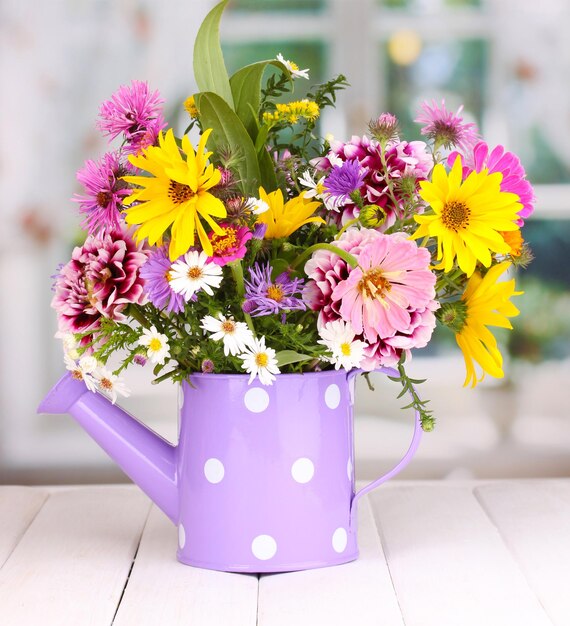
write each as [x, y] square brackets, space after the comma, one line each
[148, 459]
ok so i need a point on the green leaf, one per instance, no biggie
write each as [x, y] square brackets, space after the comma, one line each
[286, 357]
[267, 168]
[228, 130]
[246, 90]
[209, 67]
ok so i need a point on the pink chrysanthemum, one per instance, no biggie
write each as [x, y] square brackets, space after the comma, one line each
[403, 159]
[445, 128]
[104, 193]
[136, 113]
[100, 280]
[509, 165]
[389, 299]
[230, 245]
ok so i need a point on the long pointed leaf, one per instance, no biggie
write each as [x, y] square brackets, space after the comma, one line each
[209, 67]
[246, 91]
[228, 130]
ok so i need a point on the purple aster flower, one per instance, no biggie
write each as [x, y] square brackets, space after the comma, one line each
[445, 128]
[264, 296]
[104, 193]
[135, 112]
[155, 273]
[140, 359]
[344, 180]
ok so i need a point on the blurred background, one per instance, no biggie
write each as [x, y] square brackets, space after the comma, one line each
[506, 61]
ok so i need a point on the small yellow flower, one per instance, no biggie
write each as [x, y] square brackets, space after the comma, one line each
[487, 303]
[292, 111]
[281, 218]
[191, 108]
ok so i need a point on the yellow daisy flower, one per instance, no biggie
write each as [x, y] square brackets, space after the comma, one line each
[282, 219]
[487, 303]
[467, 216]
[175, 194]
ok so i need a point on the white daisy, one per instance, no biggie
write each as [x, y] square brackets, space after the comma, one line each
[258, 360]
[79, 372]
[256, 206]
[157, 348]
[338, 337]
[293, 68]
[192, 273]
[110, 384]
[69, 343]
[235, 335]
[317, 190]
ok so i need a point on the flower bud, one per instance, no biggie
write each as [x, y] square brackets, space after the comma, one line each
[372, 216]
[453, 315]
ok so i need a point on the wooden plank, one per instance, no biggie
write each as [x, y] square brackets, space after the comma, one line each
[18, 507]
[360, 592]
[533, 518]
[71, 565]
[448, 562]
[163, 591]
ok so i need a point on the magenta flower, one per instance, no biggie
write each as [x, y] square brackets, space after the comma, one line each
[403, 159]
[230, 245]
[155, 273]
[509, 165]
[100, 280]
[136, 113]
[104, 193]
[445, 128]
[264, 296]
[344, 180]
[388, 299]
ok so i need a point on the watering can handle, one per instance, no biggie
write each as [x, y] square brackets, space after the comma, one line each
[389, 371]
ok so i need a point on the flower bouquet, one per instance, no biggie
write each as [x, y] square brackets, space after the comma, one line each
[249, 244]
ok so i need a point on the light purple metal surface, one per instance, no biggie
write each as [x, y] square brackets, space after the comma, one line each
[262, 479]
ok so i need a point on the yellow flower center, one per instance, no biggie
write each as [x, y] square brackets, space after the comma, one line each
[229, 327]
[226, 241]
[320, 188]
[455, 215]
[294, 66]
[373, 284]
[179, 193]
[155, 345]
[275, 292]
[77, 375]
[345, 349]
[261, 359]
[195, 273]
[105, 383]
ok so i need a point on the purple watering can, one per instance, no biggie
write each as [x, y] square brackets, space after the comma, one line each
[262, 478]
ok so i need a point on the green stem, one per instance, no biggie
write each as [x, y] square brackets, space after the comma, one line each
[237, 273]
[343, 254]
[137, 315]
[347, 225]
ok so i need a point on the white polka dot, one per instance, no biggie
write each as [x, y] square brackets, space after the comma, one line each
[214, 470]
[181, 537]
[302, 470]
[264, 547]
[339, 540]
[332, 396]
[256, 400]
[349, 469]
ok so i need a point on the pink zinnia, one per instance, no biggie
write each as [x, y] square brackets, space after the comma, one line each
[509, 165]
[231, 244]
[136, 113]
[445, 128]
[100, 280]
[388, 299]
[104, 193]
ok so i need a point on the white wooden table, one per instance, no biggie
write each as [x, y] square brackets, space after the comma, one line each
[432, 553]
